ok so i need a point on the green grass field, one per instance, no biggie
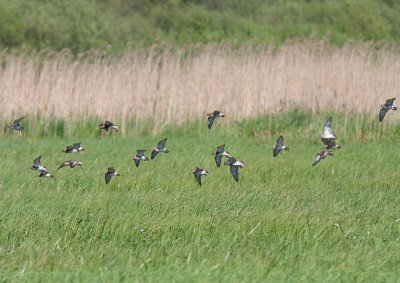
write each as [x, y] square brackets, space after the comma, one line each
[284, 221]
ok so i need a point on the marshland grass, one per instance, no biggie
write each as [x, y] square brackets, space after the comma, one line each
[284, 221]
[165, 86]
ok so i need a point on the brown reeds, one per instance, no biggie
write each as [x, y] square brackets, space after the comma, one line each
[180, 85]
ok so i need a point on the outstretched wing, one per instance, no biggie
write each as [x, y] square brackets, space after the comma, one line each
[161, 143]
[108, 123]
[389, 102]
[137, 162]
[154, 154]
[382, 113]
[277, 150]
[107, 177]
[235, 173]
[328, 127]
[16, 122]
[210, 121]
[221, 149]
[317, 159]
[218, 159]
[36, 162]
[198, 178]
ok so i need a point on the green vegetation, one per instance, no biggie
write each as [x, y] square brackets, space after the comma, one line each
[80, 25]
[284, 221]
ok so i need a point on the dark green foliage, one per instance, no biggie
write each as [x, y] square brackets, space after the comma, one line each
[115, 25]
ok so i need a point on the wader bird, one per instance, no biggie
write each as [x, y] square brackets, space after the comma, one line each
[386, 107]
[16, 125]
[279, 147]
[159, 148]
[212, 116]
[197, 174]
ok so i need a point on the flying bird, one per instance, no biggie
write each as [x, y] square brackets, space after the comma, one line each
[159, 148]
[71, 164]
[37, 166]
[328, 137]
[234, 167]
[212, 116]
[45, 173]
[280, 145]
[108, 125]
[219, 154]
[139, 157]
[386, 107]
[16, 125]
[197, 174]
[321, 155]
[110, 173]
[75, 148]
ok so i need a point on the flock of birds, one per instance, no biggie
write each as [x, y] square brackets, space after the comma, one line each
[328, 138]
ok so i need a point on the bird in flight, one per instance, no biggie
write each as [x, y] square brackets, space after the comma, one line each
[321, 155]
[108, 125]
[110, 173]
[212, 116]
[75, 148]
[328, 137]
[234, 167]
[16, 125]
[219, 154]
[198, 172]
[280, 145]
[386, 107]
[159, 148]
[139, 157]
[71, 164]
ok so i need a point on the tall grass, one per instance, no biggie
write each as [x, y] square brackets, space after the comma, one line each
[160, 87]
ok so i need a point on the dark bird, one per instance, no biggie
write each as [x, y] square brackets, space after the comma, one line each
[321, 155]
[45, 173]
[16, 125]
[75, 148]
[197, 174]
[159, 148]
[328, 137]
[234, 167]
[212, 116]
[37, 166]
[220, 153]
[110, 173]
[279, 146]
[71, 164]
[140, 156]
[386, 107]
[107, 125]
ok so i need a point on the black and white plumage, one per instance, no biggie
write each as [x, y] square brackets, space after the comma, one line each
[386, 107]
[108, 125]
[198, 172]
[159, 148]
[280, 145]
[321, 155]
[221, 153]
[71, 164]
[234, 167]
[16, 125]
[139, 157]
[328, 137]
[110, 173]
[45, 173]
[75, 148]
[37, 165]
[212, 116]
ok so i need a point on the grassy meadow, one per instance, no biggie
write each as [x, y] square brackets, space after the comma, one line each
[283, 221]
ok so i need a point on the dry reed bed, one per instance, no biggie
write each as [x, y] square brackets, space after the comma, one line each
[180, 85]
